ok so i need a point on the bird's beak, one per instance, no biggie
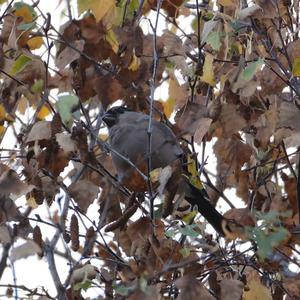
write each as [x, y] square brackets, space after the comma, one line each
[109, 119]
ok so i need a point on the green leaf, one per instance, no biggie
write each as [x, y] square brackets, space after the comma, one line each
[83, 285]
[214, 40]
[66, 105]
[20, 64]
[121, 289]
[189, 230]
[269, 234]
[266, 240]
[26, 26]
[170, 233]
[38, 86]
[185, 252]
[296, 67]
[158, 212]
[251, 69]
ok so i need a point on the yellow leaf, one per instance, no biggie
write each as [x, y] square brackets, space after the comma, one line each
[2, 112]
[35, 42]
[103, 136]
[111, 38]
[208, 71]
[135, 62]
[296, 67]
[2, 130]
[24, 12]
[31, 202]
[43, 113]
[168, 106]
[189, 217]
[154, 174]
[22, 105]
[193, 172]
[99, 7]
[227, 2]
[256, 290]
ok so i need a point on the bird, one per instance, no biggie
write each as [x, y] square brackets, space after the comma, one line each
[128, 142]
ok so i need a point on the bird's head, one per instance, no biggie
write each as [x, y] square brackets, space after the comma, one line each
[112, 115]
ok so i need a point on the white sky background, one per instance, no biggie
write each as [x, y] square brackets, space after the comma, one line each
[33, 272]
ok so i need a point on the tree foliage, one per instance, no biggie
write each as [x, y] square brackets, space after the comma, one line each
[228, 75]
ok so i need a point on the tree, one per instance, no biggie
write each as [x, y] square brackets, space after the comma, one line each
[231, 69]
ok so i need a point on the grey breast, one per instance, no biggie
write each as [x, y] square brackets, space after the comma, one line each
[129, 138]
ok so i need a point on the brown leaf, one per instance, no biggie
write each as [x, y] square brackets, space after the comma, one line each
[10, 183]
[5, 235]
[178, 93]
[290, 186]
[255, 289]
[231, 120]
[65, 142]
[293, 287]
[53, 159]
[84, 192]
[203, 127]
[69, 54]
[289, 116]
[40, 131]
[192, 289]
[242, 216]
[231, 289]
[189, 117]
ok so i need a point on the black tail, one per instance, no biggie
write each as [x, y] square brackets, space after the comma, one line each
[206, 209]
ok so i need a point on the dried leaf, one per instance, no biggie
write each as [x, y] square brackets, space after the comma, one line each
[84, 193]
[27, 249]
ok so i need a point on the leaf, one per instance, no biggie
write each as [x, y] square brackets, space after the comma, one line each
[231, 289]
[185, 252]
[83, 285]
[251, 69]
[268, 236]
[99, 7]
[189, 230]
[112, 39]
[170, 233]
[82, 277]
[41, 130]
[84, 193]
[121, 289]
[20, 64]
[35, 42]
[27, 249]
[25, 11]
[135, 63]
[256, 290]
[228, 3]
[65, 142]
[189, 217]
[69, 54]
[214, 40]
[296, 67]
[208, 71]
[43, 113]
[2, 112]
[38, 86]
[193, 172]
[5, 235]
[65, 106]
